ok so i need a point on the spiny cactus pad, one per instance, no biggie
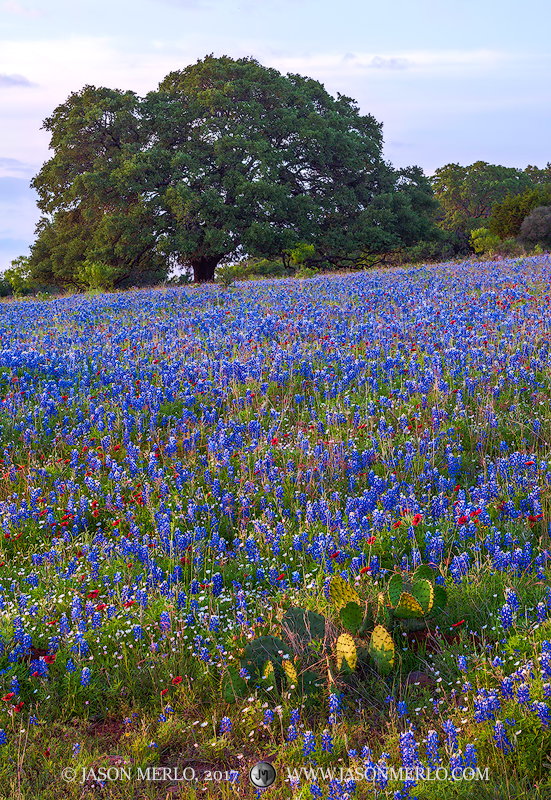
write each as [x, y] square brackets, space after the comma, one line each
[346, 648]
[233, 686]
[306, 625]
[290, 672]
[408, 607]
[423, 571]
[342, 593]
[261, 649]
[268, 671]
[440, 599]
[381, 649]
[383, 616]
[395, 589]
[423, 591]
[351, 616]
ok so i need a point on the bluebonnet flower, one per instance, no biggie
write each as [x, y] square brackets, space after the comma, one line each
[470, 756]
[225, 725]
[85, 676]
[542, 710]
[506, 613]
[3, 737]
[309, 743]
[327, 741]
[268, 716]
[451, 735]
[401, 708]
[507, 688]
[433, 755]
[523, 694]
[291, 733]
[500, 737]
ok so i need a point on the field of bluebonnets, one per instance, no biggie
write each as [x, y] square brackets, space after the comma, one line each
[183, 467]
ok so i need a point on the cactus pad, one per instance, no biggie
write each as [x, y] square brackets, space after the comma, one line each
[346, 649]
[351, 616]
[408, 607]
[440, 599]
[425, 572]
[342, 593]
[233, 686]
[290, 673]
[305, 625]
[261, 649]
[381, 649]
[423, 591]
[268, 671]
[395, 589]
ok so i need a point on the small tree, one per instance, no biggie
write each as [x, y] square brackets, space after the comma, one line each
[484, 242]
[536, 228]
[19, 276]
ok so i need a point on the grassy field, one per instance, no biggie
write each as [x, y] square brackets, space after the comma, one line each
[302, 522]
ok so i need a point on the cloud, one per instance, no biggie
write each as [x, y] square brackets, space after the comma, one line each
[389, 63]
[22, 11]
[13, 168]
[9, 81]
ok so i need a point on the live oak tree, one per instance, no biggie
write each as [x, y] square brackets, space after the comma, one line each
[227, 157]
[93, 214]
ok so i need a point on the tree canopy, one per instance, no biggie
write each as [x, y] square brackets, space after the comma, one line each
[507, 216]
[226, 157]
[467, 195]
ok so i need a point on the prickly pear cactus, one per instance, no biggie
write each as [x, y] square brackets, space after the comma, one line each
[381, 649]
[408, 606]
[423, 591]
[290, 673]
[383, 616]
[342, 593]
[351, 616]
[268, 672]
[262, 649]
[232, 686]
[306, 625]
[395, 589]
[423, 571]
[346, 649]
[440, 599]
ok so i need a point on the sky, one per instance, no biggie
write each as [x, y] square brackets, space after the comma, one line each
[452, 81]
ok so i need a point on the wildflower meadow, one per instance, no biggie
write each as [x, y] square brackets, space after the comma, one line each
[299, 522]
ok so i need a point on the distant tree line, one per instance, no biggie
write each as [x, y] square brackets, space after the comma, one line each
[231, 161]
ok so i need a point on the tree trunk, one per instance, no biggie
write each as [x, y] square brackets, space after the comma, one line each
[203, 268]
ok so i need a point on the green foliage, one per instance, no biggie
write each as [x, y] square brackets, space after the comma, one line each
[97, 275]
[227, 274]
[467, 194]
[19, 277]
[484, 242]
[508, 216]
[173, 178]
